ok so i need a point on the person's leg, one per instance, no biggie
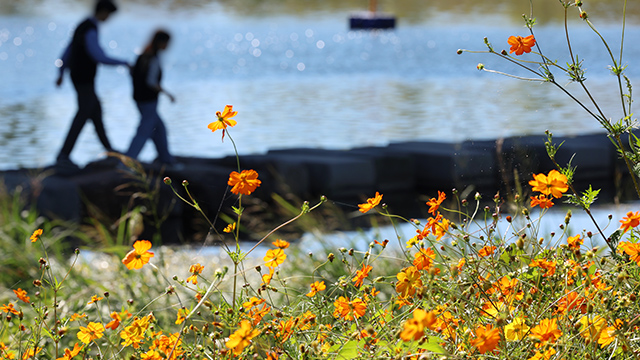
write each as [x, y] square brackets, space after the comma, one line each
[96, 117]
[86, 107]
[145, 129]
[162, 145]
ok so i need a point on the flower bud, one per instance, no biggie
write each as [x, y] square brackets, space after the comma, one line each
[480, 66]
[459, 51]
[167, 180]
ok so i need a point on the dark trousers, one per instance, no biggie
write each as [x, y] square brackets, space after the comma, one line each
[88, 108]
[151, 127]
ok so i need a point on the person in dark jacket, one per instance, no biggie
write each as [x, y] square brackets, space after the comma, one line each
[147, 75]
[82, 57]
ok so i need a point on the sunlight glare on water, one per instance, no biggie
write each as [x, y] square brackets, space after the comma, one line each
[296, 75]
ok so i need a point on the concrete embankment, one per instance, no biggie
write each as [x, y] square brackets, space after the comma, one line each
[406, 172]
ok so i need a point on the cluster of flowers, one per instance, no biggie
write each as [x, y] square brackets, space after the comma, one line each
[502, 296]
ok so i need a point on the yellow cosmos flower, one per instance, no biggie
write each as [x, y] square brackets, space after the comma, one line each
[36, 235]
[408, 281]
[224, 120]
[516, 330]
[274, 257]
[241, 338]
[93, 331]
[139, 256]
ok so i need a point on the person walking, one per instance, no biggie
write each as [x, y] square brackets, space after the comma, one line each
[147, 75]
[82, 57]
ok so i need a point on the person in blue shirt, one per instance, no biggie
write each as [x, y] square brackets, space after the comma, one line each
[82, 57]
[147, 75]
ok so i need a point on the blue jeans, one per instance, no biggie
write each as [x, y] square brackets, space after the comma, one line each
[151, 127]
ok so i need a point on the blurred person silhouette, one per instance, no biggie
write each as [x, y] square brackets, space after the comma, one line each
[81, 57]
[147, 75]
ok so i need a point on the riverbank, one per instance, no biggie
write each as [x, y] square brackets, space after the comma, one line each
[405, 173]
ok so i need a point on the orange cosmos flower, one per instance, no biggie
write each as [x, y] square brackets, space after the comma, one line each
[630, 221]
[77, 316]
[30, 352]
[487, 338]
[94, 299]
[279, 243]
[414, 327]
[274, 257]
[424, 259]
[229, 228]
[554, 184]
[194, 269]
[241, 338]
[575, 242]
[542, 201]
[435, 203]
[139, 256]
[487, 250]
[8, 308]
[543, 356]
[546, 332]
[315, 287]
[93, 331]
[254, 301]
[113, 324]
[371, 203]
[36, 235]
[348, 309]
[69, 354]
[22, 295]
[224, 120]
[521, 44]
[244, 182]
[408, 281]
[549, 266]
[361, 274]
[631, 249]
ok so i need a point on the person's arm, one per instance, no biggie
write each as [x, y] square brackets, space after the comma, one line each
[66, 55]
[152, 78]
[95, 51]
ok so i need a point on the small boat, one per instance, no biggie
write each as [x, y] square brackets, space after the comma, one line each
[372, 19]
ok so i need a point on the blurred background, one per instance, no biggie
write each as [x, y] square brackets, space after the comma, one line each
[299, 77]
